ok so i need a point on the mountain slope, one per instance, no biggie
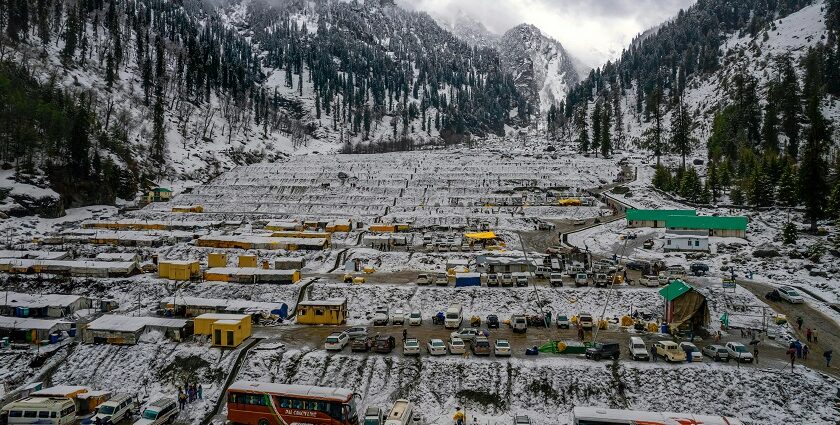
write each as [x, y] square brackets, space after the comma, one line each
[542, 69]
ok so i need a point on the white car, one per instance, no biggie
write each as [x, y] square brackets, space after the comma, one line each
[581, 279]
[739, 352]
[411, 347]
[501, 348]
[790, 295]
[664, 278]
[116, 409]
[689, 348]
[492, 279]
[457, 346]
[415, 319]
[380, 317]
[336, 341]
[436, 347]
[649, 281]
[398, 317]
[467, 334]
[638, 349]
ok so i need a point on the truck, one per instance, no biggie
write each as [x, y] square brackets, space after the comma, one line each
[374, 416]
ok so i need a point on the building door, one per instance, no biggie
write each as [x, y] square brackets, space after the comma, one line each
[217, 337]
[230, 338]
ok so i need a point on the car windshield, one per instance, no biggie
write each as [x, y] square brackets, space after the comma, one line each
[792, 293]
[437, 343]
[381, 311]
[108, 410]
[561, 318]
[502, 344]
[411, 343]
[150, 414]
[639, 346]
[415, 315]
[457, 342]
[332, 340]
[739, 348]
[482, 344]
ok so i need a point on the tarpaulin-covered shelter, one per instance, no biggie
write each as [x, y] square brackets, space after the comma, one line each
[685, 307]
[467, 279]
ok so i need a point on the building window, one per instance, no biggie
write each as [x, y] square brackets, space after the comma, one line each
[696, 243]
[319, 311]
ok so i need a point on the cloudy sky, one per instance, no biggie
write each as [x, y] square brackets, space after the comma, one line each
[592, 30]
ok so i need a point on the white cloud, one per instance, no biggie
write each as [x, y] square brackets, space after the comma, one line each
[592, 30]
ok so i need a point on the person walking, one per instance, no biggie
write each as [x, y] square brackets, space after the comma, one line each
[805, 351]
[405, 334]
[808, 334]
[200, 392]
[653, 354]
[755, 353]
[791, 352]
[827, 354]
[814, 335]
[182, 399]
[799, 322]
[459, 416]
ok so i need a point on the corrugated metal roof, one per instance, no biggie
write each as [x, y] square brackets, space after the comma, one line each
[674, 290]
[656, 215]
[707, 222]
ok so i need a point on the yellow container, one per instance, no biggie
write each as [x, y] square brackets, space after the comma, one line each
[247, 261]
[217, 259]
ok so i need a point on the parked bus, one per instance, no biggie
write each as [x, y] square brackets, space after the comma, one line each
[260, 403]
[40, 410]
[601, 416]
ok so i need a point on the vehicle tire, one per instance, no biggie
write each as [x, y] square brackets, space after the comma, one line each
[615, 356]
[596, 357]
[262, 421]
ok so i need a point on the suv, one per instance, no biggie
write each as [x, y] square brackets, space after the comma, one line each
[380, 317]
[585, 320]
[691, 351]
[601, 280]
[398, 317]
[384, 344]
[116, 409]
[718, 353]
[739, 352]
[519, 323]
[336, 341]
[466, 334]
[555, 279]
[563, 322]
[521, 420]
[424, 279]
[507, 279]
[670, 351]
[492, 321]
[481, 346]
[492, 279]
[581, 279]
[521, 280]
[699, 269]
[415, 318]
[158, 412]
[638, 349]
[601, 350]
[361, 344]
[441, 279]
[357, 332]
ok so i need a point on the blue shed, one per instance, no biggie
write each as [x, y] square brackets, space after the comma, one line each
[467, 279]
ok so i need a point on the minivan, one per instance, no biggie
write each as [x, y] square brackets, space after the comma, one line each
[158, 412]
[519, 323]
[638, 349]
[40, 410]
[116, 409]
[454, 316]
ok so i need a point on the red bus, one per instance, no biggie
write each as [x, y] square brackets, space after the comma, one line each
[262, 403]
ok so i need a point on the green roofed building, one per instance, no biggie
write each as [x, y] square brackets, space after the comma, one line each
[713, 226]
[654, 218]
[685, 308]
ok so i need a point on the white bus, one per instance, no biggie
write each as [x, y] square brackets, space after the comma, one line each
[602, 416]
[41, 411]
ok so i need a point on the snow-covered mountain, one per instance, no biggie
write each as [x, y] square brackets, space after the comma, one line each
[470, 30]
[541, 68]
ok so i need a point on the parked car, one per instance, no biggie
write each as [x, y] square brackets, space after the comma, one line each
[415, 318]
[649, 281]
[425, 279]
[507, 279]
[457, 346]
[411, 347]
[718, 353]
[361, 344]
[638, 349]
[699, 269]
[384, 344]
[585, 320]
[581, 279]
[542, 272]
[521, 420]
[480, 346]
[790, 295]
[563, 322]
[356, 332]
[519, 323]
[380, 317]
[692, 350]
[374, 416]
[601, 280]
[398, 317]
[441, 279]
[336, 341]
[739, 352]
[664, 278]
[492, 321]
[670, 351]
[492, 279]
[579, 222]
[773, 295]
[521, 280]
[676, 272]
[501, 348]
[648, 244]
[467, 334]
[555, 279]
[601, 350]
[113, 411]
[638, 265]
[158, 412]
[436, 347]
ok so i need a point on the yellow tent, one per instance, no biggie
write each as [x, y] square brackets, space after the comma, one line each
[481, 235]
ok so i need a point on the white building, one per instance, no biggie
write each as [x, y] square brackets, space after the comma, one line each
[686, 243]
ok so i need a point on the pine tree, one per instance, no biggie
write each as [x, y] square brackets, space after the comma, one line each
[652, 137]
[770, 127]
[813, 179]
[789, 233]
[788, 193]
[596, 127]
[583, 136]
[682, 124]
[70, 37]
[760, 188]
[662, 179]
[789, 106]
[606, 139]
[736, 195]
[833, 207]
[713, 182]
[690, 186]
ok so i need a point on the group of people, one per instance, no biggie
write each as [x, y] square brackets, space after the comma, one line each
[798, 350]
[189, 393]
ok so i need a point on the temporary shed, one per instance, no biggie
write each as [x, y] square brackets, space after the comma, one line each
[339, 226]
[289, 263]
[467, 279]
[30, 330]
[686, 243]
[247, 260]
[262, 242]
[118, 256]
[178, 270]
[35, 255]
[382, 228]
[331, 311]
[229, 333]
[196, 306]
[80, 268]
[506, 263]
[300, 234]
[126, 330]
[685, 307]
[42, 305]
[735, 226]
[202, 325]
[283, 225]
[217, 259]
[188, 209]
[251, 275]
[653, 218]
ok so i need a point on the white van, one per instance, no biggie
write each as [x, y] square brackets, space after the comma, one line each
[158, 412]
[638, 349]
[454, 316]
[40, 410]
[116, 409]
[401, 413]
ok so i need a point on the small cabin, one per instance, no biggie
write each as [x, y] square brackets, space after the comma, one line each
[322, 312]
